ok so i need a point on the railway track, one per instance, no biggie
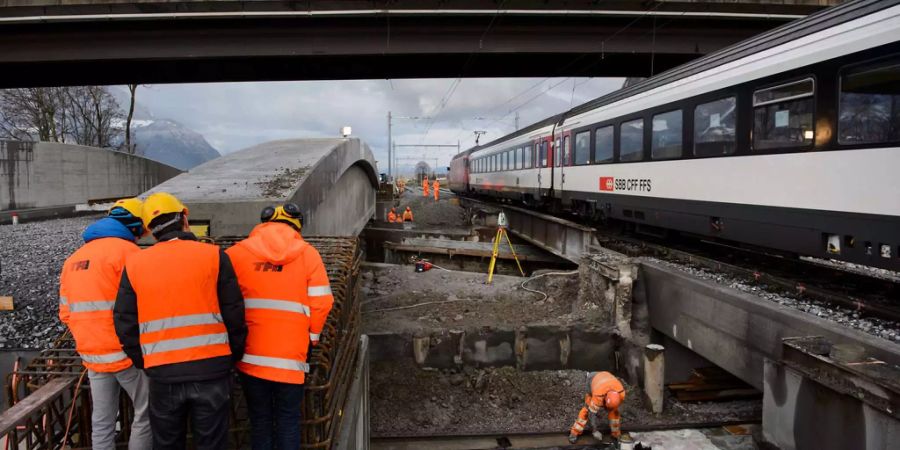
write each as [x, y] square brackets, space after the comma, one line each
[869, 296]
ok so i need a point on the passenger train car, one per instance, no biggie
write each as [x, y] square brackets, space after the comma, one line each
[790, 141]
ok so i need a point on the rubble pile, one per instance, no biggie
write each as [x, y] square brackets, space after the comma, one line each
[31, 257]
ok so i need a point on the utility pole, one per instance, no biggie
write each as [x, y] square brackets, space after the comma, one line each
[390, 153]
[478, 134]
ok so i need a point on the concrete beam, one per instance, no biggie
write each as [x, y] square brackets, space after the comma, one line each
[187, 46]
[533, 347]
[563, 238]
[735, 330]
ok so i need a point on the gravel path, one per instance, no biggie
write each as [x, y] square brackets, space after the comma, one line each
[877, 327]
[31, 257]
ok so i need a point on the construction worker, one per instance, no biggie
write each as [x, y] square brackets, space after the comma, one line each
[287, 298]
[179, 315]
[436, 186]
[425, 186]
[407, 215]
[604, 391]
[392, 215]
[87, 293]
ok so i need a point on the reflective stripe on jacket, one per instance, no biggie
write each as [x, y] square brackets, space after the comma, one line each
[287, 298]
[87, 294]
[177, 302]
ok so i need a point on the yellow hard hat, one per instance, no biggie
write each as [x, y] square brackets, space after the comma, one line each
[288, 213]
[132, 205]
[161, 203]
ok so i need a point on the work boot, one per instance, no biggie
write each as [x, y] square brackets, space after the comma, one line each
[573, 438]
[598, 436]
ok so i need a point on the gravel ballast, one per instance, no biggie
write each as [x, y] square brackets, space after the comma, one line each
[31, 258]
[884, 329]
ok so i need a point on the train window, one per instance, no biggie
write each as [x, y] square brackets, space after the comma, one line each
[783, 115]
[714, 125]
[556, 159]
[582, 148]
[631, 137]
[543, 157]
[666, 137]
[518, 158]
[603, 144]
[529, 161]
[870, 103]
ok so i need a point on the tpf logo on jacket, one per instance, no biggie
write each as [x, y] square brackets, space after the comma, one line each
[267, 267]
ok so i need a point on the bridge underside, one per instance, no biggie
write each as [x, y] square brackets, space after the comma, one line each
[123, 46]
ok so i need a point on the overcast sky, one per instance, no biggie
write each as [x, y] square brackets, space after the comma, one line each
[233, 116]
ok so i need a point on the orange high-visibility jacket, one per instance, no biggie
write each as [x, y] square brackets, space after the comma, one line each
[287, 298]
[177, 302]
[602, 383]
[407, 216]
[392, 216]
[87, 294]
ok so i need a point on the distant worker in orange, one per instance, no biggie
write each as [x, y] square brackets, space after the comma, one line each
[425, 186]
[436, 186]
[287, 298]
[392, 215]
[606, 392]
[407, 215]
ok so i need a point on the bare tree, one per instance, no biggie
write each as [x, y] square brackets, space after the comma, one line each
[129, 147]
[34, 113]
[94, 112]
[86, 115]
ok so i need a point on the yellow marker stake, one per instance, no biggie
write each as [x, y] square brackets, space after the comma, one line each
[501, 234]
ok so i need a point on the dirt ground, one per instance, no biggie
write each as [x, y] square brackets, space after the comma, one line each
[407, 400]
[445, 213]
[392, 291]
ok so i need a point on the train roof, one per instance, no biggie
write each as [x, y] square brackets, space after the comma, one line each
[813, 23]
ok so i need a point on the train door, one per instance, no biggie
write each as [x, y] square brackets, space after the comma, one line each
[544, 162]
[561, 158]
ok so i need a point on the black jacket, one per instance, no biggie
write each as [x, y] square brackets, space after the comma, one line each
[231, 304]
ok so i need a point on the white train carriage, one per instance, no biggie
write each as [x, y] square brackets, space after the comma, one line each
[790, 140]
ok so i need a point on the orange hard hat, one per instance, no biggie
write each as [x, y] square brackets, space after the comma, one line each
[613, 400]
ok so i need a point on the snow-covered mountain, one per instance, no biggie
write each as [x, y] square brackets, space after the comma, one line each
[169, 142]
[165, 140]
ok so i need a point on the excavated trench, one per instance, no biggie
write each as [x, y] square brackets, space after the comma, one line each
[453, 356]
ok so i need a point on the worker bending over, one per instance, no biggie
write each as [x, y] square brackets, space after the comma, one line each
[392, 215]
[87, 294]
[605, 391]
[407, 215]
[179, 315]
[436, 186]
[287, 298]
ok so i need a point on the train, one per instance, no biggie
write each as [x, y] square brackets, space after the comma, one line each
[787, 141]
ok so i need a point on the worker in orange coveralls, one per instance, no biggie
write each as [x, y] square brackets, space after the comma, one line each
[607, 392]
[436, 186]
[425, 187]
[407, 215]
[392, 215]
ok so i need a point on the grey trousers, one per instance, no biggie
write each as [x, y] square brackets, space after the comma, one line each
[105, 389]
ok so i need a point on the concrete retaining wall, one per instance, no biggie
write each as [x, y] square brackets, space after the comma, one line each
[42, 174]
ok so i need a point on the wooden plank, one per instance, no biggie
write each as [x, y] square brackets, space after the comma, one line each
[27, 407]
[6, 303]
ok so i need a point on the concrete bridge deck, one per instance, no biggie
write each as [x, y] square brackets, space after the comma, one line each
[332, 180]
